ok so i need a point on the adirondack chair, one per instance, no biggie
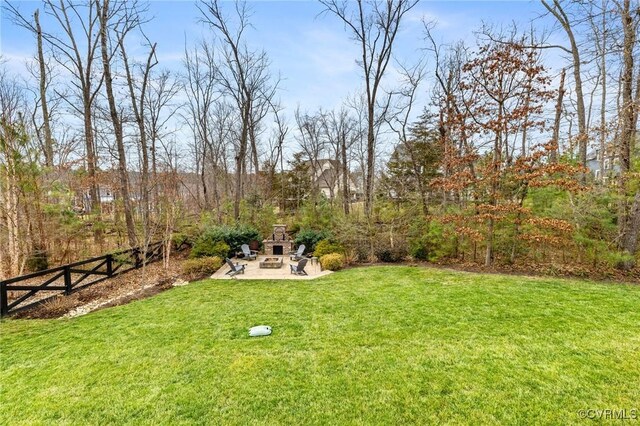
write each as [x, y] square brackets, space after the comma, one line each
[248, 254]
[236, 268]
[297, 255]
[298, 268]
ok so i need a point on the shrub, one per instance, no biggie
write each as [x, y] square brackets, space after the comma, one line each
[332, 261]
[187, 235]
[179, 239]
[310, 237]
[234, 236]
[361, 253]
[196, 268]
[419, 250]
[38, 260]
[204, 247]
[388, 254]
[430, 241]
[327, 246]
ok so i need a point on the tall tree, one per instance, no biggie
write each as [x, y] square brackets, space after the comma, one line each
[557, 10]
[505, 87]
[374, 26]
[138, 97]
[629, 220]
[118, 20]
[12, 147]
[200, 83]
[244, 77]
[75, 49]
[42, 77]
[161, 108]
[342, 133]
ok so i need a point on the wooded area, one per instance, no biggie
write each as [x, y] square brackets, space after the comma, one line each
[511, 161]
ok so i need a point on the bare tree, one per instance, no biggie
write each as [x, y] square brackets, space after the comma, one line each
[342, 132]
[557, 10]
[553, 155]
[158, 100]
[400, 123]
[312, 141]
[375, 31]
[48, 139]
[75, 50]
[138, 103]
[200, 82]
[629, 221]
[244, 77]
[117, 20]
[11, 151]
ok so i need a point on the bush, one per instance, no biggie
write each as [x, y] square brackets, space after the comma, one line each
[179, 239]
[38, 260]
[187, 235]
[419, 251]
[204, 247]
[388, 254]
[197, 268]
[430, 241]
[310, 237]
[234, 236]
[327, 246]
[332, 261]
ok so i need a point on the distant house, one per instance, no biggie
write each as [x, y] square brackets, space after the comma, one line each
[183, 187]
[594, 162]
[328, 179]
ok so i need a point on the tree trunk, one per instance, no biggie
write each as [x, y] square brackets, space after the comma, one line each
[368, 190]
[553, 156]
[203, 177]
[240, 161]
[627, 108]
[629, 222]
[603, 99]
[558, 12]
[48, 139]
[346, 197]
[12, 218]
[138, 112]
[117, 128]
[94, 197]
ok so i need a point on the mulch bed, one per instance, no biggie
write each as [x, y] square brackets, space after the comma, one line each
[134, 285]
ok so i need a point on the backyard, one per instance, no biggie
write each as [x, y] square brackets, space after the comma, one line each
[376, 345]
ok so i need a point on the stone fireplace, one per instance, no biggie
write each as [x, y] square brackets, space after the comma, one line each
[279, 244]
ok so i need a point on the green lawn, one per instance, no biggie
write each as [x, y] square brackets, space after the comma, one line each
[379, 345]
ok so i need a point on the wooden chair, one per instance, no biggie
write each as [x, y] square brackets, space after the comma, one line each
[249, 254]
[297, 255]
[236, 268]
[298, 269]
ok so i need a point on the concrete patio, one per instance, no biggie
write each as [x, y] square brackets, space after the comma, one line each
[254, 272]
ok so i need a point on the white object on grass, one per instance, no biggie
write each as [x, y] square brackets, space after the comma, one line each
[260, 330]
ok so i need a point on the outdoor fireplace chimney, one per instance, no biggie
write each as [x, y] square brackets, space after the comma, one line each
[280, 243]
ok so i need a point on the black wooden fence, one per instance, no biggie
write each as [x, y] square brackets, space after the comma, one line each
[15, 295]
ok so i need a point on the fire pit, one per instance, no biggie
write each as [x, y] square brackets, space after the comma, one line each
[271, 263]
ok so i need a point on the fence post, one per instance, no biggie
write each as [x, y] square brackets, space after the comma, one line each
[67, 280]
[109, 265]
[4, 302]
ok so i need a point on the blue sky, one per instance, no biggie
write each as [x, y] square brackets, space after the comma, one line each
[312, 52]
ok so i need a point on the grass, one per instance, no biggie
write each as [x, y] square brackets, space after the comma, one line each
[380, 345]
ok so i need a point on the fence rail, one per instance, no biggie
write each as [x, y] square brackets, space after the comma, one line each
[15, 295]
